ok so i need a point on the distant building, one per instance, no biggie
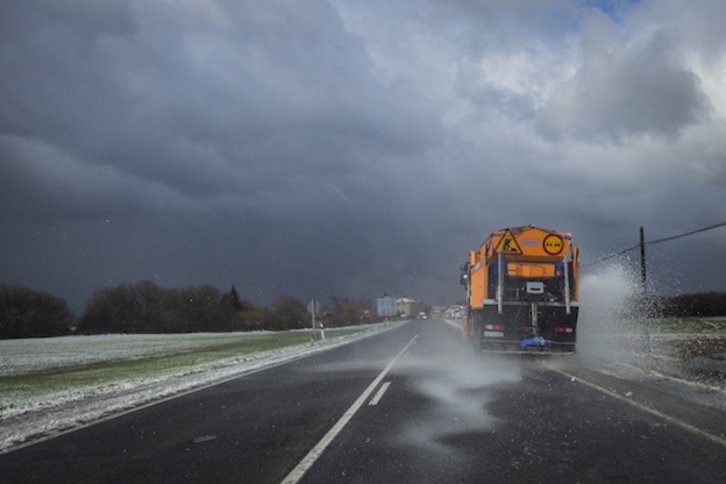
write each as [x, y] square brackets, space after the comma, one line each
[408, 307]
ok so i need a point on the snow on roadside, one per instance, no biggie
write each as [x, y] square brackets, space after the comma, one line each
[72, 410]
[34, 355]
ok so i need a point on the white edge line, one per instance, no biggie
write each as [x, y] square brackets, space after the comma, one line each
[674, 378]
[307, 462]
[680, 423]
[379, 395]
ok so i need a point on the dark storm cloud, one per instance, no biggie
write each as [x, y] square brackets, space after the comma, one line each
[630, 91]
[252, 122]
[344, 148]
[82, 21]
[201, 110]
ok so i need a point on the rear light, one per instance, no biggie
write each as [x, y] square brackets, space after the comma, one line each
[494, 327]
[564, 330]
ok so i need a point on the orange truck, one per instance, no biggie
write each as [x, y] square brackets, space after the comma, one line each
[522, 292]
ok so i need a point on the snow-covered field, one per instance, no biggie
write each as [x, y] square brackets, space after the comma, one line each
[42, 355]
[28, 416]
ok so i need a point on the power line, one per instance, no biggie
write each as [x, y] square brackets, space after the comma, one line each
[611, 256]
[666, 239]
[687, 233]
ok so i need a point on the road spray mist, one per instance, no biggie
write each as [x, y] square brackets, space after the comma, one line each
[615, 316]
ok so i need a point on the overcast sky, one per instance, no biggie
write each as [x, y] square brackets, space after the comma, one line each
[353, 147]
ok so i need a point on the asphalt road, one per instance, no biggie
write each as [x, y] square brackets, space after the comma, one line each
[412, 404]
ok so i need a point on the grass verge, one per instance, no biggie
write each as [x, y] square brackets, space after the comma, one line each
[691, 326]
[71, 380]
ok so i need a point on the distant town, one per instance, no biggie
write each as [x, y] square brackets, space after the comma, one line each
[409, 308]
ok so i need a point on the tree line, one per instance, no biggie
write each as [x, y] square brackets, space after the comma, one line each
[702, 304]
[145, 307]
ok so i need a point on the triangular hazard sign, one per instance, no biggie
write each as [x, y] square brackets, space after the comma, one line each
[508, 245]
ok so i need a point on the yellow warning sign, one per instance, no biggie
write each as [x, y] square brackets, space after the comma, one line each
[509, 244]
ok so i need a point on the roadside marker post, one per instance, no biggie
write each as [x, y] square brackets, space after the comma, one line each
[313, 308]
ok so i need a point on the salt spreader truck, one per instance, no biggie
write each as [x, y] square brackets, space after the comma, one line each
[522, 292]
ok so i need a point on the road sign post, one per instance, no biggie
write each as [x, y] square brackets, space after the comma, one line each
[313, 308]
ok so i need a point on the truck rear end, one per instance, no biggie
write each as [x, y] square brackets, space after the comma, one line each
[522, 291]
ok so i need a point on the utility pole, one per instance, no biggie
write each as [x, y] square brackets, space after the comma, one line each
[643, 276]
[645, 295]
